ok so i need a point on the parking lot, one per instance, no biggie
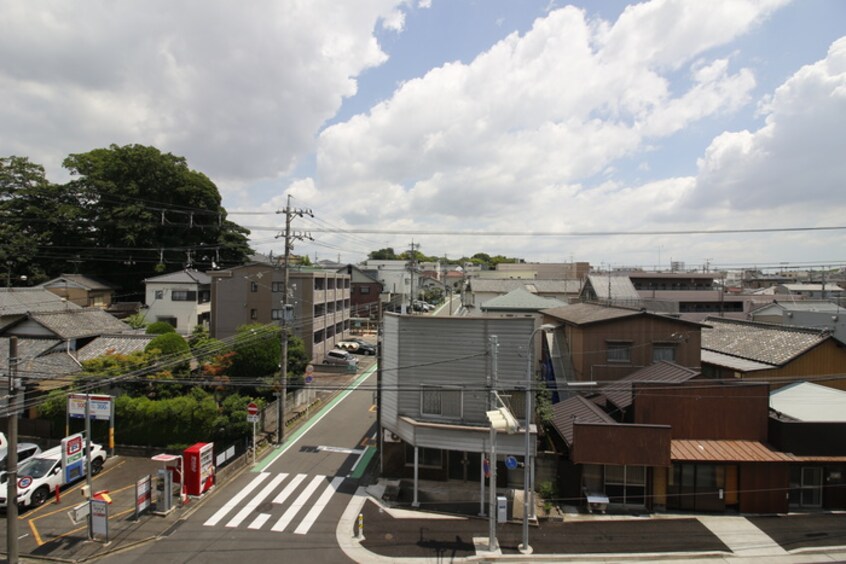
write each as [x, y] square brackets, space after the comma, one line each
[49, 530]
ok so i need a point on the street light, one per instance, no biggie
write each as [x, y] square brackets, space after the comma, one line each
[524, 547]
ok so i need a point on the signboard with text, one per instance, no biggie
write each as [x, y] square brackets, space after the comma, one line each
[73, 457]
[99, 408]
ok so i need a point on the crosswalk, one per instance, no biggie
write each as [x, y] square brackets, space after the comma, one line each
[250, 506]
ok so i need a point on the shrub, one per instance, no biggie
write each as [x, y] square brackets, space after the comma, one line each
[160, 328]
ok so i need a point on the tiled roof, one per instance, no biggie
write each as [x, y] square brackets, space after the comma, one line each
[724, 451]
[584, 313]
[761, 342]
[27, 348]
[114, 344]
[36, 363]
[522, 299]
[20, 301]
[75, 324]
[805, 401]
[620, 392]
[187, 276]
[85, 282]
[566, 413]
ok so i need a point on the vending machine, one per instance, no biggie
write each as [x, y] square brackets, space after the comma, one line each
[199, 468]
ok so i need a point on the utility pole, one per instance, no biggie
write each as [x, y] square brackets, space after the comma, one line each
[412, 268]
[282, 385]
[492, 542]
[12, 459]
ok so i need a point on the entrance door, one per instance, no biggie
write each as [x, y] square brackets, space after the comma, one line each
[811, 487]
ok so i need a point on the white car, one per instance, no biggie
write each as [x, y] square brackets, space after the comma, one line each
[41, 475]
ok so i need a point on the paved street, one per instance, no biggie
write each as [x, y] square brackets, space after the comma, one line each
[292, 500]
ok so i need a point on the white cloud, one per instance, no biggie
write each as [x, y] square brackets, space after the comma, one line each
[394, 21]
[240, 92]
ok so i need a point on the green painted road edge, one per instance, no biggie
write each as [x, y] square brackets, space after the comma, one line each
[363, 463]
[279, 450]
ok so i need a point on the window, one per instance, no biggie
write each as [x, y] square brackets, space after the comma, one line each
[330, 284]
[275, 314]
[626, 484]
[253, 286]
[364, 290]
[441, 402]
[319, 283]
[318, 336]
[276, 286]
[619, 352]
[183, 296]
[253, 314]
[663, 352]
[159, 294]
[426, 457]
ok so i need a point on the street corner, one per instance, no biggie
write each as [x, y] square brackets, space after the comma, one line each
[59, 528]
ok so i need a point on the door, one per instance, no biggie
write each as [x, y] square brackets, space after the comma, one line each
[811, 487]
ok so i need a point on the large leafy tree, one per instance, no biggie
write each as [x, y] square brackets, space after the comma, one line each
[146, 212]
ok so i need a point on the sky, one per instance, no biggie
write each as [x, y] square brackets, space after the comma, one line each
[621, 134]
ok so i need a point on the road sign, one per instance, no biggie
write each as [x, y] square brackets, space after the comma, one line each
[252, 413]
[510, 462]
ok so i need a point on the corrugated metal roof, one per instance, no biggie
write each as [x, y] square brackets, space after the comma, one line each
[733, 362]
[762, 342]
[521, 299]
[806, 401]
[725, 451]
[620, 392]
[566, 413]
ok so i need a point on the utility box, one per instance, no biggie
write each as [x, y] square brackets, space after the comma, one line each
[199, 468]
[501, 509]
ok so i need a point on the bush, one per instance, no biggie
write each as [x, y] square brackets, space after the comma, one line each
[160, 328]
[168, 344]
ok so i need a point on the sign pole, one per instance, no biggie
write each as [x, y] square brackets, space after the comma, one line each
[88, 461]
[254, 442]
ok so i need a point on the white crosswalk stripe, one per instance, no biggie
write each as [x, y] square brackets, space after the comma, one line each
[254, 507]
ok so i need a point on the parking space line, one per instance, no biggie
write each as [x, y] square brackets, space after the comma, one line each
[35, 510]
[35, 534]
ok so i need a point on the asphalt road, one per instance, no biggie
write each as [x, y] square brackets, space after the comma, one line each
[291, 500]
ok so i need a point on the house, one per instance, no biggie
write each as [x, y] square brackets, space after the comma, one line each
[599, 343]
[690, 445]
[547, 270]
[81, 290]
[181, 298]
[398, 278]
[16, 303]
[776, 353]
[438, 375]
[518, 302]
[482, 290]
[365, 292]
[610, 289]
[812, 291]
[319, 300]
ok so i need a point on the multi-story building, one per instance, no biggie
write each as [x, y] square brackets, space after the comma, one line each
[319, 303]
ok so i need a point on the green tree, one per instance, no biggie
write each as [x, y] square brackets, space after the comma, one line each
[169, 345]
[383, 254]
[148, 212]
[159, 328]
[257, 350]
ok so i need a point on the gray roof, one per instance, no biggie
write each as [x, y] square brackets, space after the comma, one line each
[523, 300]
[78, 280]
[811, 305]
[79, 323]
[114, 344]
[533, 286]
[833, 288]
[186, 276]
[20, 301]
[761, 342]
[36, 362]
[620, 392]
[620, 287]
[566, 413]
[585, 313]
[805, 401]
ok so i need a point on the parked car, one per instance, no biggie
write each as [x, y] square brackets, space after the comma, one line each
[340, 357]
[25, 450]
[420, 305]
[41, 475]
[356, 346]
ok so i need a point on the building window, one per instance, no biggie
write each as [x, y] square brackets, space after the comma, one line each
[253, 314]
[183, 296]
[253, 286]
[318, 336]
[663, 352]
[364, 290]
[319, 283]
[275, 314]
[619, 352]
[626, 484]
[330, 284]
[276, 286]
[441, 402]
[159, 294]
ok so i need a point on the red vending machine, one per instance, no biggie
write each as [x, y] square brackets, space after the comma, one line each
[199, 468]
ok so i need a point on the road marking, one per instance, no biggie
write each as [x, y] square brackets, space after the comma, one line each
[289, 489]
[229, 505]
[298, 504]
[319, 506]
[256, 500]
[340, 450]
[365, 457]
[299, 433]
[259, 521]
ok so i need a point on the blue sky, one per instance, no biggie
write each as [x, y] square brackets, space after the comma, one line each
[396, 120]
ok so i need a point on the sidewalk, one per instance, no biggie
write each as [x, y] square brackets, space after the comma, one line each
[393, 535]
